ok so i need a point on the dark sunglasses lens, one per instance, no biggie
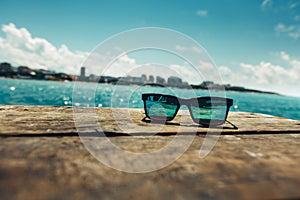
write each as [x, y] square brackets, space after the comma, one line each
[210, 112]
[160, 107]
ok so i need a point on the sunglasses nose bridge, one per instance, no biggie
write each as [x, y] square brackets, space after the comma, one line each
[184, 102]
[187, 116]
[188, 102]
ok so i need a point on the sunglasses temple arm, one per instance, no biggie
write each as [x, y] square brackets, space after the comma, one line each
[234, 126]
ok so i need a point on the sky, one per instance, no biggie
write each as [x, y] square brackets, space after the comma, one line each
[253, 43]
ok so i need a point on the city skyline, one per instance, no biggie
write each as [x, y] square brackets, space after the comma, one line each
[24, 72]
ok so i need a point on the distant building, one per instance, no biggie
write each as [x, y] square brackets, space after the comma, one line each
[107, 79]
[207, 84]
[185, 84]
[7, 70]
[160, 80]
[137, 80]
[131, 80]
[43, 74]
[82, 74]
[62, 77]
[5, 66]
[151, 79]
[25, 72]
[74, 77]
[93, 78]
[174, 81]
[144, 78]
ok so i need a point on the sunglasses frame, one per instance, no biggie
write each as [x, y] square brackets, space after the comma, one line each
[198, 102]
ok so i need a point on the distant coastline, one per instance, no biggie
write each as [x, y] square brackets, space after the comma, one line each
[24, 72]
[231, 88]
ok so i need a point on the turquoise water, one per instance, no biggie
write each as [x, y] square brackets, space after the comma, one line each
[30, 92]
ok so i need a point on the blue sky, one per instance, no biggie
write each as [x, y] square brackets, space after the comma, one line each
[240, 36]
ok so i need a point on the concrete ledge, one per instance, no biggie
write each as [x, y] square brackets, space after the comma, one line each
[42, 157]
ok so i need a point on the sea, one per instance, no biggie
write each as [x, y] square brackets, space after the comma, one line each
[51, 93]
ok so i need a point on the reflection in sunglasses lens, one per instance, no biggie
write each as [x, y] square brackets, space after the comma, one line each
[209, 112]
[159, 109]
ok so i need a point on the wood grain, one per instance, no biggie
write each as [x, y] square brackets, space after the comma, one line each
[42, 157]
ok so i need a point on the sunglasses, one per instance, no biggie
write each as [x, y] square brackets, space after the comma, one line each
[203, 110]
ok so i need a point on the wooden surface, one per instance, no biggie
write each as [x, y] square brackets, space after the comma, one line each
[42, 157]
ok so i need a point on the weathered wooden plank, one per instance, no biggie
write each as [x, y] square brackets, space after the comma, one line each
[47, 120]
[42, 157]
[260, 166]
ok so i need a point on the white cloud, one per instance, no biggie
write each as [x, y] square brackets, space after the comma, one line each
[283, 28]
[294, 63]
[197, 50]
[292, 31]
[293, 5]
[187, 73]
[266, 3]
[297, 18]
[266, 75]
[126, 59]
[180, 48]
[291, 28]
[189, 49]
[122, 66]
[21, 48]
[202, 13]
[295, 34]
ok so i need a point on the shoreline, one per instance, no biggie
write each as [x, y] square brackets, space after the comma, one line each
[230, 88]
